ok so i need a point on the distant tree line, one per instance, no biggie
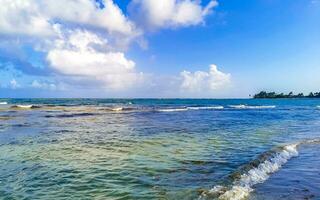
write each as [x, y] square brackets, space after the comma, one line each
[273, 95]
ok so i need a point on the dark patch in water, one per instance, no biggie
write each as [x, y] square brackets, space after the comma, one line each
[21, 125]
[200, 162]
[5, 118]
[71, 115]
[64, 131]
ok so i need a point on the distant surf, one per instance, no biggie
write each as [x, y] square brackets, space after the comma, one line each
[258, 171]
[251, 107]
[206, 108]
[191, 108]
[117, 109]
[172, 109]
[25, 106]
[3, 103]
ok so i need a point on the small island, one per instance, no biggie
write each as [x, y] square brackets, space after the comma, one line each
[274, 95]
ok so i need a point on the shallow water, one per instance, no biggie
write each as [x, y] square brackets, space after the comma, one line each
[158, 149]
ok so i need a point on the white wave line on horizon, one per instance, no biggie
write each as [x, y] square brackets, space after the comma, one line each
[241, 106]
[191, 108]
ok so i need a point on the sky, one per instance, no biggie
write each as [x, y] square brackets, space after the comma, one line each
[158, 48]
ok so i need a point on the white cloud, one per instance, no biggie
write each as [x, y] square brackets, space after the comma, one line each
[170, 13]
[77, 54]
[23, 17]
[110, 17]
[85, 45]
[14, 84]
[44, 85]
[35, 18]
[200, 81]
[71, 52]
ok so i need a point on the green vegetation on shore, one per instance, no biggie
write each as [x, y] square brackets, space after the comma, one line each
[273, 95]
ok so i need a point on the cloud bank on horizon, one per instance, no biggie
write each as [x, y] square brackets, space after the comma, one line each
[62, 45]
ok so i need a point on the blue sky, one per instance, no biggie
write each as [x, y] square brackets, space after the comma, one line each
[224, 48]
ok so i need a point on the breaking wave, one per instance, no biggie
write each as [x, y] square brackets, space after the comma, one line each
[251, 107]
[258, 171]
[206, 108]
[191, 108]
[117, 109]
[3, 103]
[173, 109]
[25, 106]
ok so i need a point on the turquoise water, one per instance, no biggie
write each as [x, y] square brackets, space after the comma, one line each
[159, 149]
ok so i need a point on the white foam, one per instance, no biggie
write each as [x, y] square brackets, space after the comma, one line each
[117, 109]
[191, 108]
[173, 110]
[206, 108]
[24, 106]
[3, 103]
[311, 141]
[251, 107]
[236, 193]
[241, 188]
[238, 106]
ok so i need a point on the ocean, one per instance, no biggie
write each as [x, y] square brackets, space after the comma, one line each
[179, 149]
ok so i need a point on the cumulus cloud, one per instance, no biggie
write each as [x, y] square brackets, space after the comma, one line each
[78, 54]
[35, 18]
[22, 17]
[83, 43]
[201, 81]
[170, 13]
[94, 52]
[87, 12]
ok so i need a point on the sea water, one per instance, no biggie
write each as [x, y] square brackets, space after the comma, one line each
[159, 149]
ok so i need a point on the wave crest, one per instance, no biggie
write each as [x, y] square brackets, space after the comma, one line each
[25, 106]
[191, 108]
[172, 109]
[206, 108]
[251, 107]
[242, 186]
